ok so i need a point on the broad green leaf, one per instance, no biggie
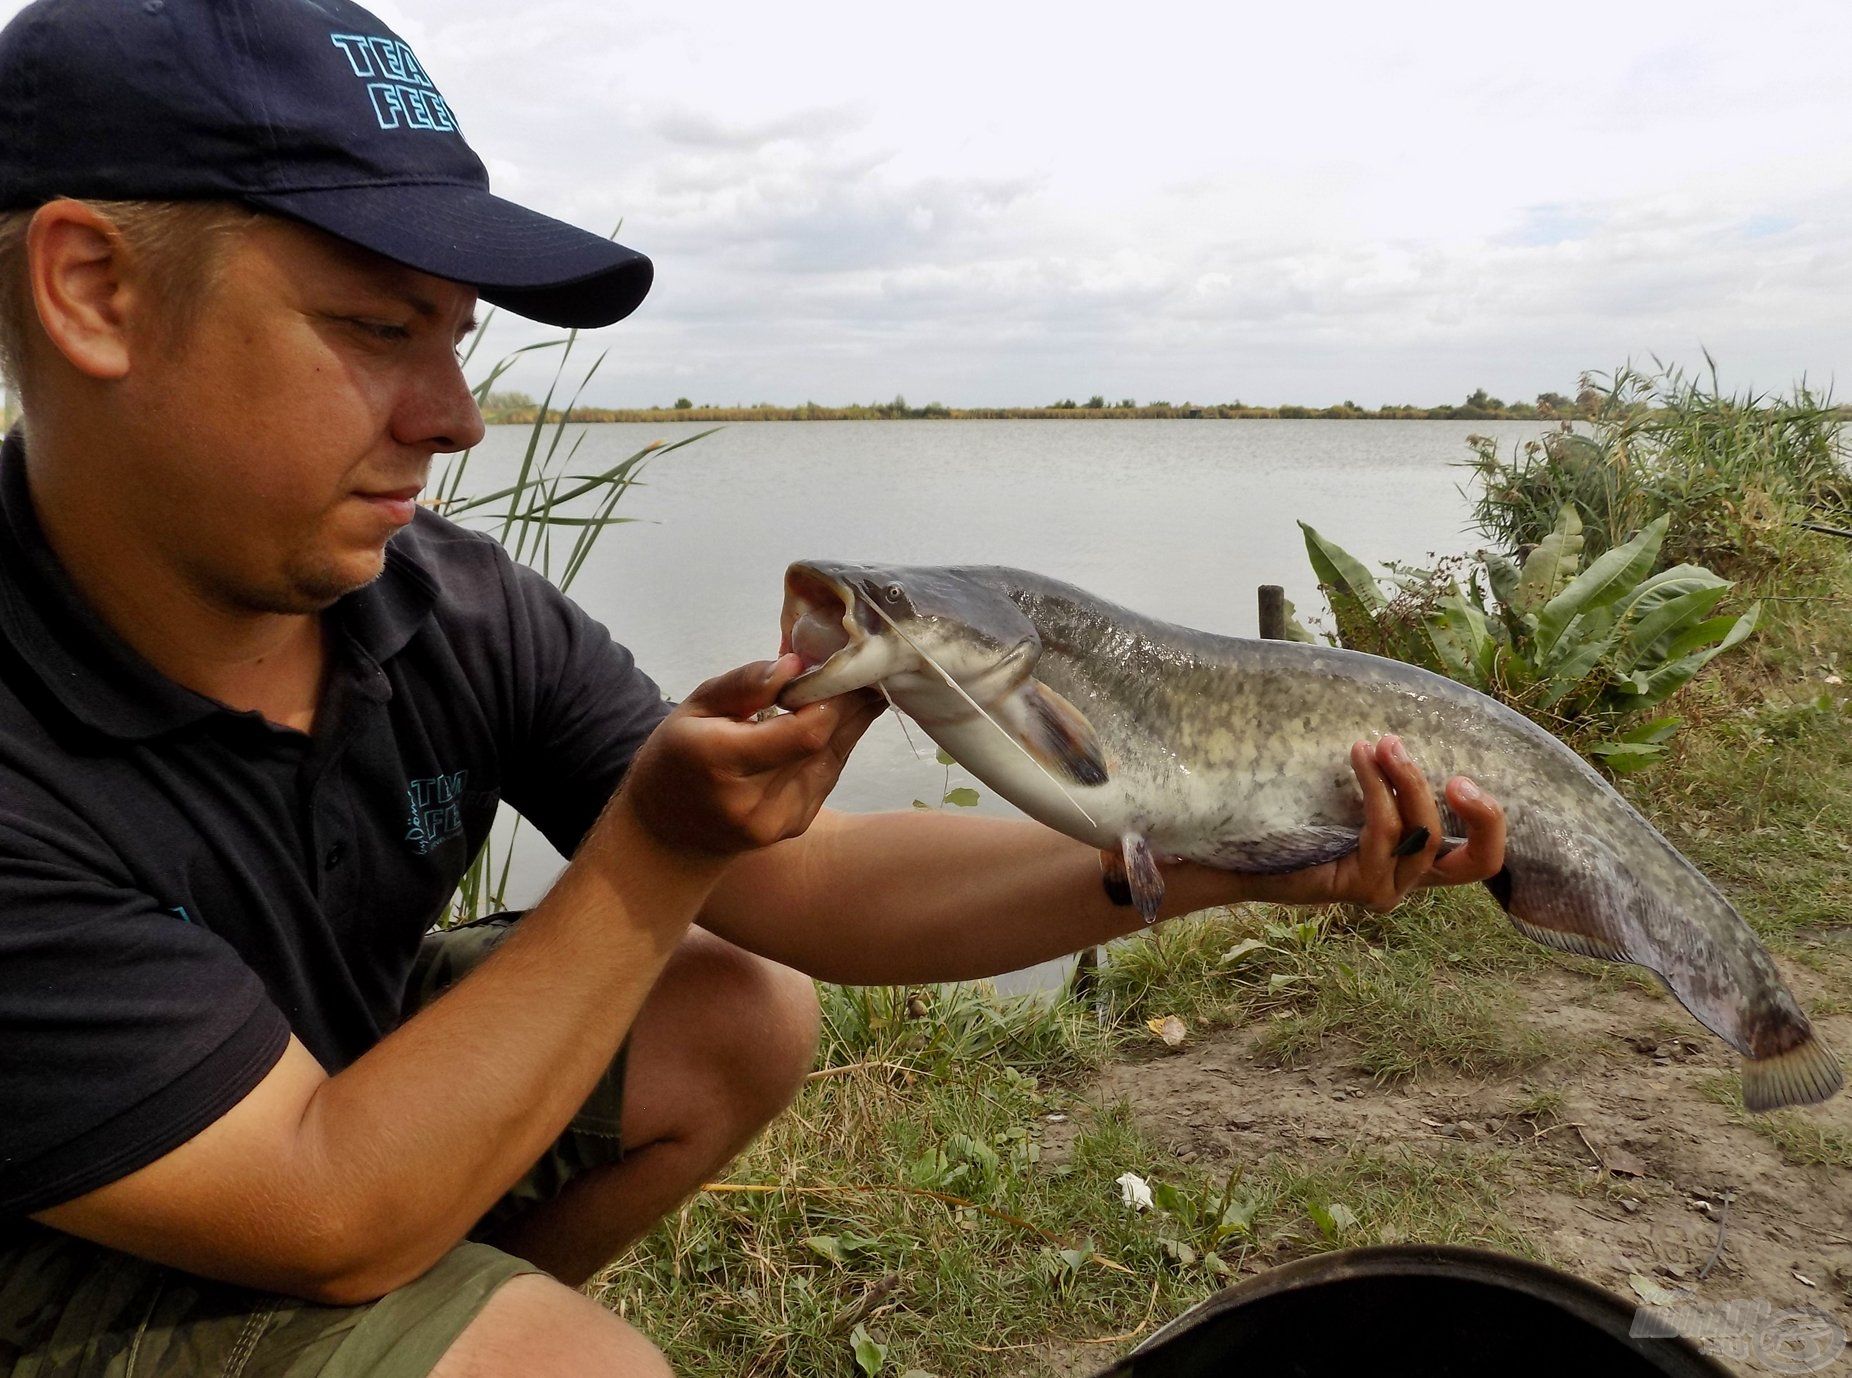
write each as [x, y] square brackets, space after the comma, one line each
[1332, 1220]
[1241, 950]
[1577, 659]
[1237, 1218]
[1502, 573]
[1178, 1252]
[1355, 599]
[1648, 637]
[1674, 674]
[1694, 638]
[1651, 733]
[944, 757]
[1647, 595]
[1623, 758]
[1341, 570]
[1460, 637]
[869, 1354]
[1552, 564]
[964, 797]
[1603, 582]
[1295, 630]
[1167, 1198]
[829, 1246]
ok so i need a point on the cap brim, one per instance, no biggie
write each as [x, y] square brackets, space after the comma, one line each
[515, 258]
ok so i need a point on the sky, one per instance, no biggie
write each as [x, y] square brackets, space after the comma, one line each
[996, 203]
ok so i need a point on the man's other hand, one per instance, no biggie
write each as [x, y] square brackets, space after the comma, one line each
[1398, 807]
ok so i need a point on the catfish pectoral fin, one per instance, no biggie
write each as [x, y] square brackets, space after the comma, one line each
[1803, 1075]
[1141, 873]
[1056, 733]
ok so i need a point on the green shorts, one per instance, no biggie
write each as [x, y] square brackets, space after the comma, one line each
[72, 1309]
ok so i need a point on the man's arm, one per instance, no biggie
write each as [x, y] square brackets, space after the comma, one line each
[342, 1188]
[925, 896]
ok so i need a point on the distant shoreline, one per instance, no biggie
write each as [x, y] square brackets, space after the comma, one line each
[526, 416]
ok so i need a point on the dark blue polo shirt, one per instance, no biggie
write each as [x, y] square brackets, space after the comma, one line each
[183, 885]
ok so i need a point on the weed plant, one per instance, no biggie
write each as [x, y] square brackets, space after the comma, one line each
[550, 517]
[1735, 473]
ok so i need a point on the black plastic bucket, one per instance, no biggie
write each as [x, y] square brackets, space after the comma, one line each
[1426, 1309]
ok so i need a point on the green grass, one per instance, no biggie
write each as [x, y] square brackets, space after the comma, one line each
[777, 1281]
[751, 1283]
[945, 1188]
[1733, 471]
[952, 1090]
[1798, 1139]
[1428, 986]
[1756, 793]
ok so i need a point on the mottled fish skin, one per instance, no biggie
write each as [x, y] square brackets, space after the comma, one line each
[1235, 753]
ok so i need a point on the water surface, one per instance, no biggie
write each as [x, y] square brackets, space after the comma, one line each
[1179, 519]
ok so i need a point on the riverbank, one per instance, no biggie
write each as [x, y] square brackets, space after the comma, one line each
[945, 1186]
[1156, 411]
[898, 410]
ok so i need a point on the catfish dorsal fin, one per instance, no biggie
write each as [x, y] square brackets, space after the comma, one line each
[1056, 733]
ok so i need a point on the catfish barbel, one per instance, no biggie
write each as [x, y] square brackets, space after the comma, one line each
[1156, 742]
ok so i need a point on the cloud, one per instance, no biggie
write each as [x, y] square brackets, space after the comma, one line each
[1309, 204]
[699, 129]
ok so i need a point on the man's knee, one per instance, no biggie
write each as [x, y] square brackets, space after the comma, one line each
[763, 1020]
[532, 1324]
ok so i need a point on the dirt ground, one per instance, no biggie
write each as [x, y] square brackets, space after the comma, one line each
[1627, 1184]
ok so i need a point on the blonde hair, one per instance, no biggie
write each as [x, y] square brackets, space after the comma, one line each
[177, 243]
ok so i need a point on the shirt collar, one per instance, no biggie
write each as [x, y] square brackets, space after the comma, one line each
[105, 683]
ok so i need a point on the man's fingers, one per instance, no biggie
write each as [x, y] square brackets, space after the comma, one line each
[742, 692]
[1416, 812]
[791, 737]
[1380, 816]
[1484, 853]
[855, 723]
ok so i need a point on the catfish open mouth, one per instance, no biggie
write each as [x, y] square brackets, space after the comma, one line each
[828, 626]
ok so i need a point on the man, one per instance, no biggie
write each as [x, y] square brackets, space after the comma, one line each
[257, 710]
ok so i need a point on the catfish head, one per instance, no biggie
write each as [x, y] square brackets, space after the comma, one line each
[948, 645]
[906, 629]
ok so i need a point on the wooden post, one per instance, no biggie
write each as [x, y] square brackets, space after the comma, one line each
[1272, 612]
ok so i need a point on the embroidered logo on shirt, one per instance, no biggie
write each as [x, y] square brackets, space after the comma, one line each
[403, 96]
[436, 808]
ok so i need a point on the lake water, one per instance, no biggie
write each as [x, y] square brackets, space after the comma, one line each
[1178, 519]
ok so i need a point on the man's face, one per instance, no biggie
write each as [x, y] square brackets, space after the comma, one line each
[282, 442]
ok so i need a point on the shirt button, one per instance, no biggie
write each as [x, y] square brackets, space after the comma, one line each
[337, 853]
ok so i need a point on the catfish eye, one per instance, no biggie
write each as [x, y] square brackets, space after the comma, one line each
[892, 593]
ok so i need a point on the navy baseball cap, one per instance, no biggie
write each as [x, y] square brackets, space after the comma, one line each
[313, 109]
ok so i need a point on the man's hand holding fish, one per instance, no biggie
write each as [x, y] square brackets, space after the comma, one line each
[1399, 808]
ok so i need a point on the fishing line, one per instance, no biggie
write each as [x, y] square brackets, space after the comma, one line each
[982, 711]
[894, 708]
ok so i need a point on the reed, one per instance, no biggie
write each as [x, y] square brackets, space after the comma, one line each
[1736, 472]
[550, 517]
